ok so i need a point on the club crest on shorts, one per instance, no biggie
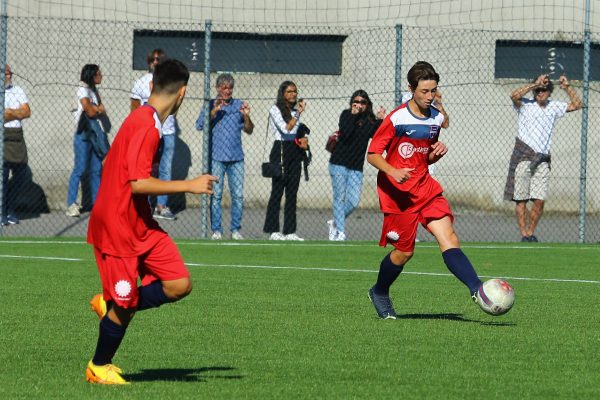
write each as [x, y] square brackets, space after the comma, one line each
[122, 289]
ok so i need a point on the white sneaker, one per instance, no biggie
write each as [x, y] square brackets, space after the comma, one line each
[217, 235]
[332, 230]
[339, 236]
[73, 210]
[293, 236]
[236, 235]
[277, 236]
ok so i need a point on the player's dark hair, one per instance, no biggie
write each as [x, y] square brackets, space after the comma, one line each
[169, 76]
[281, 103]
[160, 53]
[88, 72]
[364, 95]
[421, 71]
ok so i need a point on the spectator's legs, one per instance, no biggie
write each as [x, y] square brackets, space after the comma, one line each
[82, 150]
[274, 206]
[291, 195]
[165, 166]
[536, 213]
[235, 179]
[338, 184]
[218, 170]
[521, 212]
[353, 189]
[95, 174]
[5, 173]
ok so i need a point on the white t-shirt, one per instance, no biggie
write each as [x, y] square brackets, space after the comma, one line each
[84, 92]
[536, 124]
[141, 92]
[14, 97]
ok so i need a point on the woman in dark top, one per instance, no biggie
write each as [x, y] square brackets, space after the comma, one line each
[357, 126]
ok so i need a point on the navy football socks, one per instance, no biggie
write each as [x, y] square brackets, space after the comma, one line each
[458, 263]
[388, 272]
[151, 296]
[109, 340]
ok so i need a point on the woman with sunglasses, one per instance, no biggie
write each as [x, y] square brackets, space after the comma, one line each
[288, 148]
[357, 125]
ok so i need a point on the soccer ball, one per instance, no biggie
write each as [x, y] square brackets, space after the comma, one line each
[496, 297]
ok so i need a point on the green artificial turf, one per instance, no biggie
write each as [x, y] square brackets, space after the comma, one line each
[292, 320]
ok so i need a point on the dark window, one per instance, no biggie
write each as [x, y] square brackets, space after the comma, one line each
[245, 52]
[527, 59]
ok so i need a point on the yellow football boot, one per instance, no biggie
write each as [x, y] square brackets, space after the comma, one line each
[98, 305]
[105, 374]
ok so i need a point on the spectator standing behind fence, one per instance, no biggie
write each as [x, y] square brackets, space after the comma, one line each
[139, 96]
[228, 118]
[529, 169]
[86, 157]
[357, 125]
[289, 150]
[16, 109]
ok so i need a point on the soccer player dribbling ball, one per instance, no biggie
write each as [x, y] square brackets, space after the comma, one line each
[128, 243]
[408, 195]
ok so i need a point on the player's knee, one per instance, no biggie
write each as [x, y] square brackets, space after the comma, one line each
[177, 290]
[400, 257]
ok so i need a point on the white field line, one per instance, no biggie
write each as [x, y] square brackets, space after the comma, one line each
[516, 278]
[427, 245]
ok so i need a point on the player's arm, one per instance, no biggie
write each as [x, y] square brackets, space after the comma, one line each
[438, 150]
[12, 114]
[154, 187]
[575, 102]
[399, 175]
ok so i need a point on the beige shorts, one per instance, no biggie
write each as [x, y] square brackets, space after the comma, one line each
[531, 186]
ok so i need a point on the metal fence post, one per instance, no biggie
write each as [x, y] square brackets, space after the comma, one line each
[3, 40]
[584, 123]
[398, 77]
[205, 199]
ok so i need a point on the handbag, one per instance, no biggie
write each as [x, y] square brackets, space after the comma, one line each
[272, 169]
[332, 141]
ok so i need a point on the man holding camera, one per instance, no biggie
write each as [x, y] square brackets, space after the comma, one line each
[529, 169]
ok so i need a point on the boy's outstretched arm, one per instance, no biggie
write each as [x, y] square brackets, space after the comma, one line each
[153, 187]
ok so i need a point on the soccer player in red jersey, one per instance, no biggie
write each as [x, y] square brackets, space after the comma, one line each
[128, 243]
[408, 195]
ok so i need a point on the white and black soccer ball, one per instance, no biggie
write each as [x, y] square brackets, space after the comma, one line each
[496, 297]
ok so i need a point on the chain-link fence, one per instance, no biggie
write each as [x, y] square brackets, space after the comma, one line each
[47, 54]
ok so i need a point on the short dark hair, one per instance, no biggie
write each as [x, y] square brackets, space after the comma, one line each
[169, 76]
[421, 71]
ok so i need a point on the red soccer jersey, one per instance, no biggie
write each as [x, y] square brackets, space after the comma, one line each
[407, 140]
[121, 222]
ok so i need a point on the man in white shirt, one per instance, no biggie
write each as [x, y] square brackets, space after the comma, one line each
[139, 96]
[529, 170]
[16, 109]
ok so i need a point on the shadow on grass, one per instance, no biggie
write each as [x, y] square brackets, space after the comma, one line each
[181, 374]
[453, 317]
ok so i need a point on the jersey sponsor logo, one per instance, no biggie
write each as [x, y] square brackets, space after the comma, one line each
[123, 289]
[406, 150]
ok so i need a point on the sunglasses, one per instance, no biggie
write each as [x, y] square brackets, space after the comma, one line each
[363, 102]
[540, 90]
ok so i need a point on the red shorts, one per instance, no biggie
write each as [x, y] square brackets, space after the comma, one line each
[119, 275]
[400, 230]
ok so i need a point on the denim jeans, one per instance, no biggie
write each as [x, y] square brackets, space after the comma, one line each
[235, 180]
[166, 163]
[347, 185]
[19, 172]
[85, 160]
